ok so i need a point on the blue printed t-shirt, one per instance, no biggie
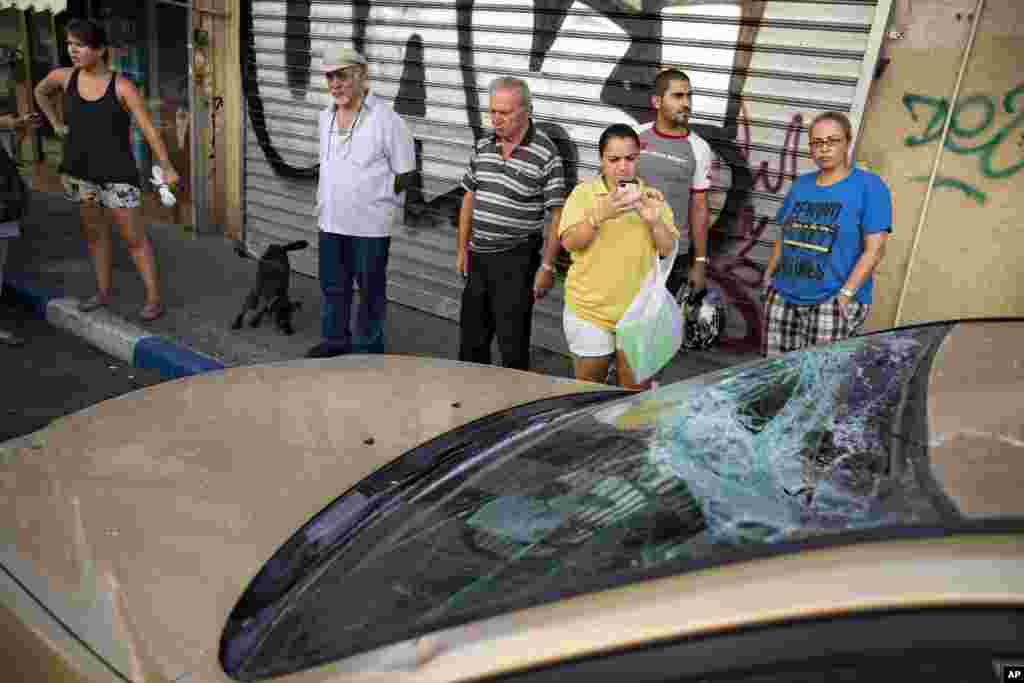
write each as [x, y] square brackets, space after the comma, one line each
[823, 231]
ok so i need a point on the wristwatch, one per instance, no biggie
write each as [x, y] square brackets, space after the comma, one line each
[547, 267]
[848, 293]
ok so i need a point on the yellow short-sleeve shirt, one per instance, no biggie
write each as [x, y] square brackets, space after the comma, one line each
[604, 277]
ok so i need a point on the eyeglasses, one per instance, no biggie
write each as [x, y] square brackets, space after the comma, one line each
[344, 75]
[820, 143]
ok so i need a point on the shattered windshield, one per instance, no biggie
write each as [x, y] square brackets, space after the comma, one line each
[805, 445]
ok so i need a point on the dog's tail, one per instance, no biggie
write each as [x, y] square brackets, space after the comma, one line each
[297, 244]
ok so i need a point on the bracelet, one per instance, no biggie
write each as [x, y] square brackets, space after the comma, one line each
[700, 259]
[547, 267]
[847, 292]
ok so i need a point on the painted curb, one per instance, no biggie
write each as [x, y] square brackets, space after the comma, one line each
[28, 293]
[110, 333]
[102, 329]
[171, 359]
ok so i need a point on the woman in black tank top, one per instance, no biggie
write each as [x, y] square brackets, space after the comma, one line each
[99, 167]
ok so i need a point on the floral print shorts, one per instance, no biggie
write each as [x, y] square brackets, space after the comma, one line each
[105, 195]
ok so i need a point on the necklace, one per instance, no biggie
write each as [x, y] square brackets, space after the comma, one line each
[346, 136]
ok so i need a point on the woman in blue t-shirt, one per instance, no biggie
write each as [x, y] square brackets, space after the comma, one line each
[834, 224]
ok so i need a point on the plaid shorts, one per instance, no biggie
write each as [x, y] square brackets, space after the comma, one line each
[789, 327]
[105, 195]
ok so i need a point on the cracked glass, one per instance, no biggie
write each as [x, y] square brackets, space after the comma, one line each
[803, 446]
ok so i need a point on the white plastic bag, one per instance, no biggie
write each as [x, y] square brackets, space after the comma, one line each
[650, 332]
[166, 196]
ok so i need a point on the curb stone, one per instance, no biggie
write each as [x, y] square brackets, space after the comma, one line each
[108, 332]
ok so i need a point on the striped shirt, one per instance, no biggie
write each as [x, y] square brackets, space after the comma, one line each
[512, 195]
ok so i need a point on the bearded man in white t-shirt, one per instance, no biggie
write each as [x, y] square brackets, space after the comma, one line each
[677, 161]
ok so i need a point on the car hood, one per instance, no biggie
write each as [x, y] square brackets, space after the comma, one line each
[141, 520]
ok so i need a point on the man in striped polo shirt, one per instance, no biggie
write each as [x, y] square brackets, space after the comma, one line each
[514, 175]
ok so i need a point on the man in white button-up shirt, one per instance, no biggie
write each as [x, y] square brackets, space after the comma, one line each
[367, 159]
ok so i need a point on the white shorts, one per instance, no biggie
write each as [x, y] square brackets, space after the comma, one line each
[586, 339]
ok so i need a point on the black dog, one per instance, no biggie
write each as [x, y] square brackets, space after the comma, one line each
[271, 291]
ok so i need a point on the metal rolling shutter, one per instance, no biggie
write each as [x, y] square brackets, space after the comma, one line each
[760, 71]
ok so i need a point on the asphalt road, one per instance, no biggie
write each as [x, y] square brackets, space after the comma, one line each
[54, 374]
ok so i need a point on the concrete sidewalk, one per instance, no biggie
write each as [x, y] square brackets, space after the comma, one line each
[204, 282]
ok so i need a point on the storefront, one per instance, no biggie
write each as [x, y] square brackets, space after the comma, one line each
[27, 49]
[150, 44]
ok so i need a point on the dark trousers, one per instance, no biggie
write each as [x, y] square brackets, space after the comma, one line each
[364, 260]
[498, 298]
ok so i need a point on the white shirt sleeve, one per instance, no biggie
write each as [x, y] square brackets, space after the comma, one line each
[401, 147]
[702, 156]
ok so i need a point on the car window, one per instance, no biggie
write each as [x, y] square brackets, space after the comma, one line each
[805, 445]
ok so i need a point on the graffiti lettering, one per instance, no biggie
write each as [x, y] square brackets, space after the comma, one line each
[733, 272]
[736, 275]
[787, 155]
[972, 118]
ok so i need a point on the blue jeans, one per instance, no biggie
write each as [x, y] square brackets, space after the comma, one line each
[344, 259]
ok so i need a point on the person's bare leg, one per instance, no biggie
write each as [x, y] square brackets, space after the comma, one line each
[625, 374]
[591, 369]
[96, 230]
[129, 223]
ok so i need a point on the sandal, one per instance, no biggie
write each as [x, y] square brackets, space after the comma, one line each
[94, 302]
[151, 312]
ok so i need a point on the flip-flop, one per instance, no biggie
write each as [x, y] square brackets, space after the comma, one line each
[151, 312]
[94, 302]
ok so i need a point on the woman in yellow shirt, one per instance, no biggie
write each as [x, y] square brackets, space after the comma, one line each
[612, 226]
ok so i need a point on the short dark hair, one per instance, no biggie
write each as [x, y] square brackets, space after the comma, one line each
[91, 34]
[616, 131]
[88, 32]
[667, 76]
[838, 117]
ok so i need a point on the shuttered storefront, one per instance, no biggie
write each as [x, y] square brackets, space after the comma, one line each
[759, 70]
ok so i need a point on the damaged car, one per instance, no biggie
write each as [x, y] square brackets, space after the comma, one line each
[846, 512]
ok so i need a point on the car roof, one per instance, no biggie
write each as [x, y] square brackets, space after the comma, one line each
[152, 511]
